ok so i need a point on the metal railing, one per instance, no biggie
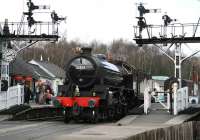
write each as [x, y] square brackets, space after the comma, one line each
[22, 28]
[172, 30]
[14, 96]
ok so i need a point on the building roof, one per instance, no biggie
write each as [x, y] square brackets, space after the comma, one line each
[40, 72]
[50, 68]
[20, 67]
[160, 78]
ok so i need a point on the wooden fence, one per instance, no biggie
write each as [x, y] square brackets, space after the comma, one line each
[185, 131]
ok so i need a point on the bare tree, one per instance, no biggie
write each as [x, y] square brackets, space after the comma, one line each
[147, 58]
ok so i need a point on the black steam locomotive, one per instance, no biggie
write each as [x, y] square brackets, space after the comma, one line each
[96, 89]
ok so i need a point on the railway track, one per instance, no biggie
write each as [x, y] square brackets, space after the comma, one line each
[37, 113]
[47, 113]
[29, 130]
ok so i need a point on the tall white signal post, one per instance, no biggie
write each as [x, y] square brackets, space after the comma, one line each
[30, 32]
[168, 35]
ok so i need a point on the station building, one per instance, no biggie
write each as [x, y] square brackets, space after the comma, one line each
[33, 72]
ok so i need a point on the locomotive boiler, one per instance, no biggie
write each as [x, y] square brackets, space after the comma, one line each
[97, 89]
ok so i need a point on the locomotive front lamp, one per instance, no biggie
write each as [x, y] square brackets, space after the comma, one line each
[93, 93]
[77, 92]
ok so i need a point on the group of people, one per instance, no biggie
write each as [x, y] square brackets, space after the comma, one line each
[43, 94]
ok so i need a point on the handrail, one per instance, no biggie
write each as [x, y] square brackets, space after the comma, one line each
[175, 29]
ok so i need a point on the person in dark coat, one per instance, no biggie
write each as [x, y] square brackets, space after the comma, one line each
[27, 93]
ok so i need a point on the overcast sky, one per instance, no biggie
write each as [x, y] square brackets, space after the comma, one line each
[104, 20]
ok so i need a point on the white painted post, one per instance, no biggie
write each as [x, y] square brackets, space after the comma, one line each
[22, 94]
[183, 95]
[146, 100]
[178, 62]
[175, 87]
[7, 98]
[2, 100]
[168, 101]
[18, 94]
[186, 98]
[149, 101]
[180, 100]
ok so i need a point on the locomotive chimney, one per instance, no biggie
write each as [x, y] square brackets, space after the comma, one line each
[86, 51]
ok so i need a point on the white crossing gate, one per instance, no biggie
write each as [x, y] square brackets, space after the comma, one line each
[14, 96]
[181, 101]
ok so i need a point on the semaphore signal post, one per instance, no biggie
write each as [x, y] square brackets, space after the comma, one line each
[169, 34]
[27, 30]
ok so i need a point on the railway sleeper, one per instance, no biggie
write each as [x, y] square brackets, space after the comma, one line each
[38, 114]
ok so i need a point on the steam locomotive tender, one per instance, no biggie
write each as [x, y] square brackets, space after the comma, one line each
[96, 89]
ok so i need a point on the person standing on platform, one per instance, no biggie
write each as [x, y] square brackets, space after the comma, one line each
[27, 93]
[38, 91]
[48, 95]
[41, 95]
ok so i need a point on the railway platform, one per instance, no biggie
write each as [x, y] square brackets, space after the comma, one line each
[131, 126]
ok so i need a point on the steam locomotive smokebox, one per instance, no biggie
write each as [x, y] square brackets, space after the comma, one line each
[86, 50]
